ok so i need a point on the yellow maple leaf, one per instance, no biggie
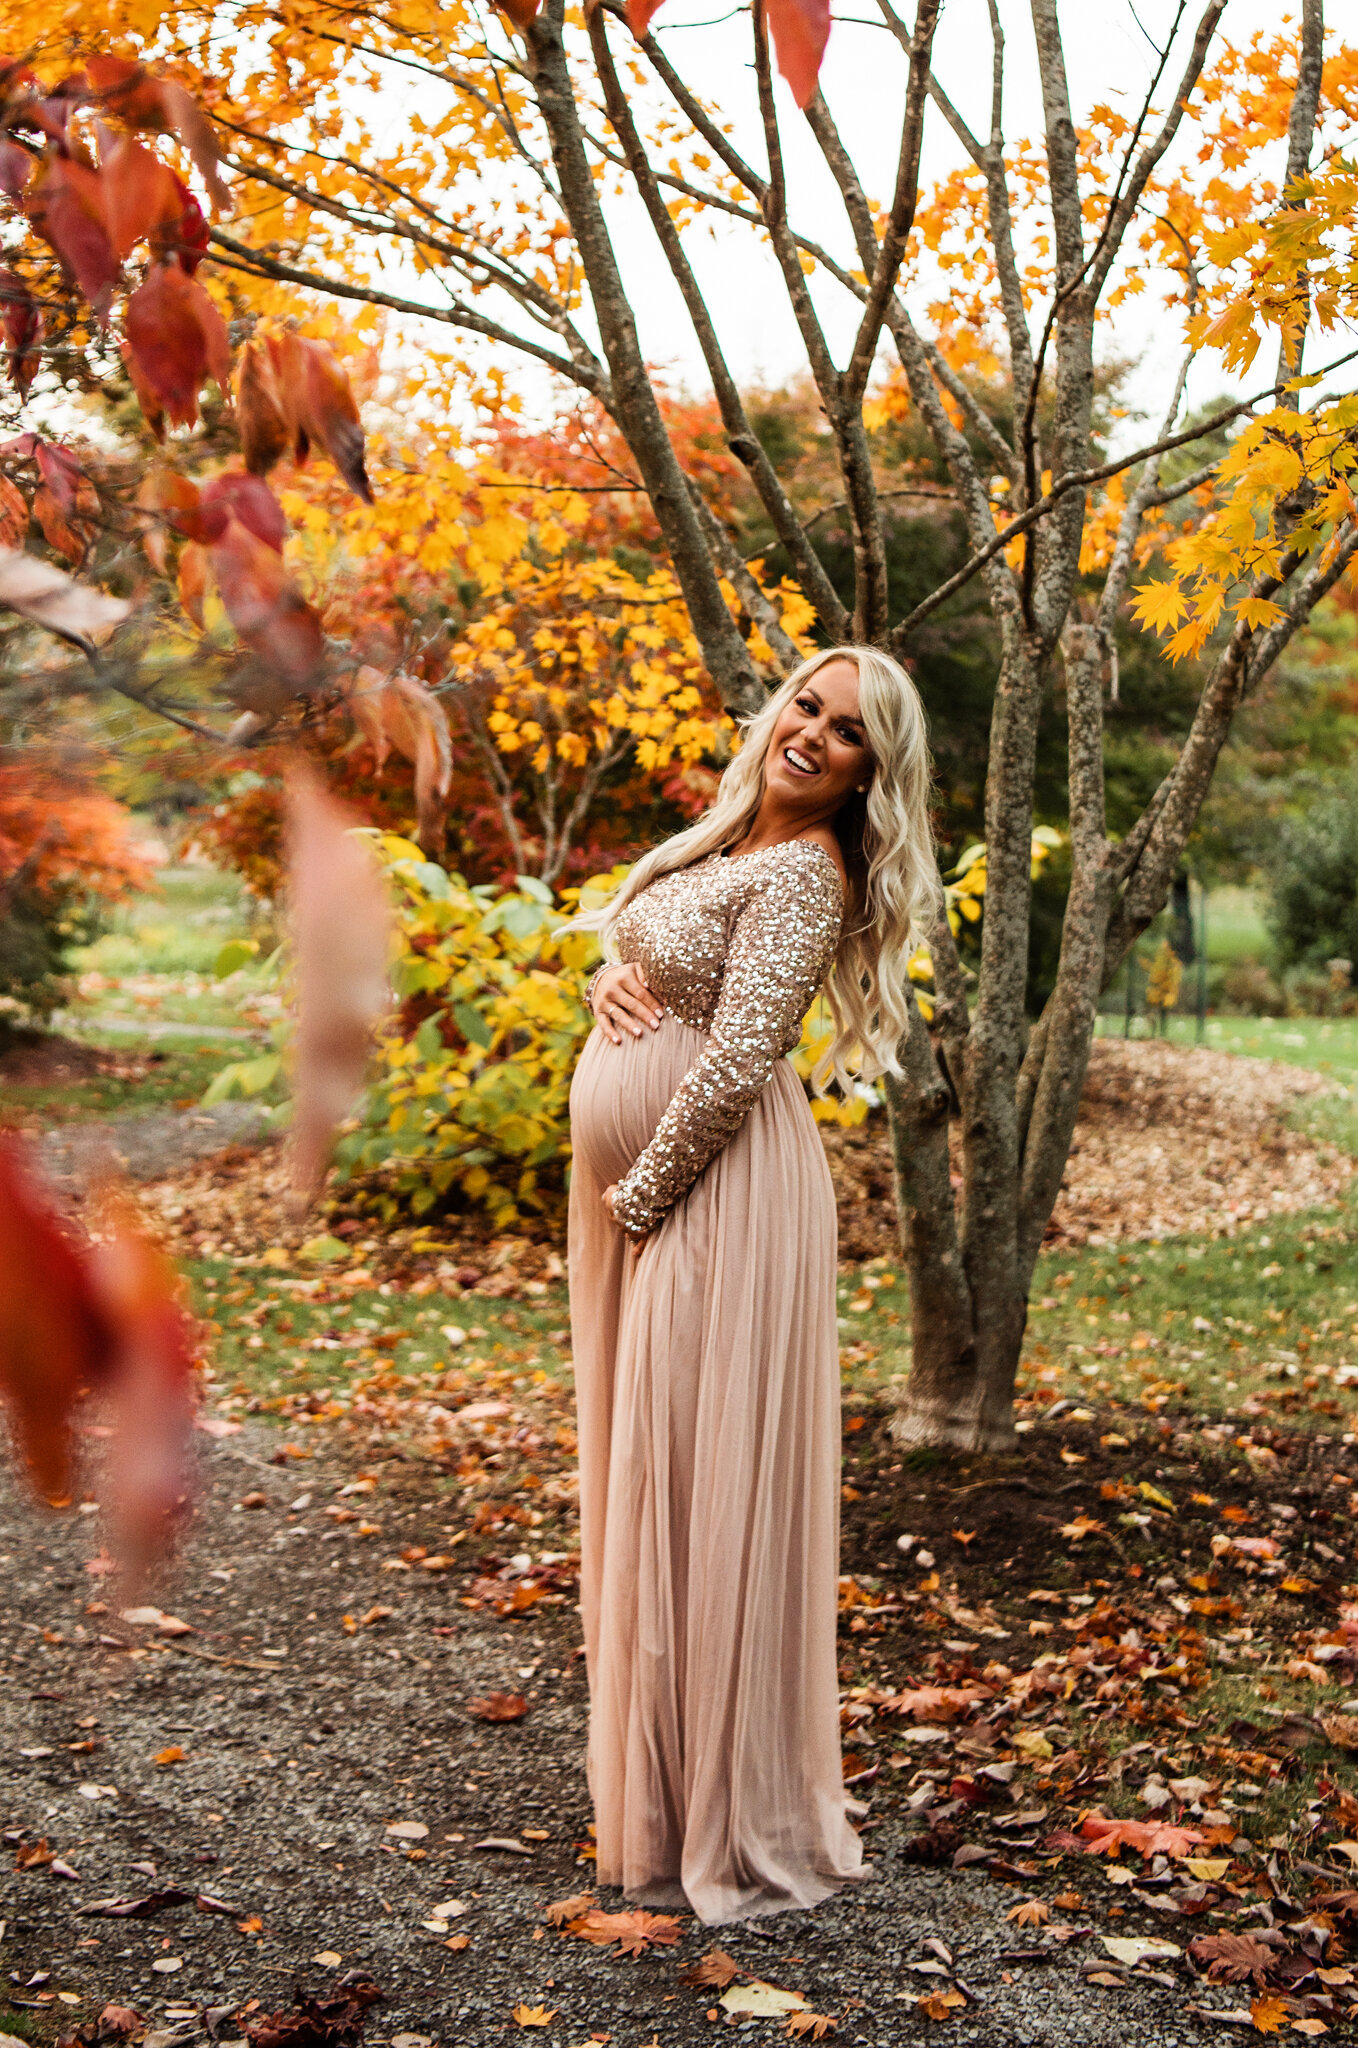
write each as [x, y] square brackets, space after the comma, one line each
[1159, 605]
[533, 2015]
[1269, 2015]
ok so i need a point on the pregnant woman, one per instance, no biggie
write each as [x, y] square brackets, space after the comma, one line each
[702, 1275]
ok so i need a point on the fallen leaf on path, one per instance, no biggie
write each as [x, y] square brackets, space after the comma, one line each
[812, 2026]
[939, 2005]
[761, 2001]
[533, 2015]
[562, 1910]
[506, 1843]
[1029, 1913]
[1082, 1526]
[167, 1965]
[1151, 1838]
[715, 1970]
[138, 1908]
[1233, 1958]
[328, 1959]
[33, 1855]
[634, 1932]
[60, 1868]
[152, 1617]
[173, 1755]
[1134, 1948]
[1269, 2015]
[499, 1706]
[408, 1830]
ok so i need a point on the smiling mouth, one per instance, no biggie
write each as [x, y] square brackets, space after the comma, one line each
[802, 763]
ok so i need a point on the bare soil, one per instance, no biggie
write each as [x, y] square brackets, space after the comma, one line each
[262, 1760]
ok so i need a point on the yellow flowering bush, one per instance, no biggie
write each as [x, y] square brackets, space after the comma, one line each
[474, 1066]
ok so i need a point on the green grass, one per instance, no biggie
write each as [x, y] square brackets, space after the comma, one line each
[265, 1317]
[168, 1079]
[1235, 925]
[176, 928]
[1327, 1045]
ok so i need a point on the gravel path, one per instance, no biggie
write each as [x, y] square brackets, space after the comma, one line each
[305, 1738]
[149, 1147]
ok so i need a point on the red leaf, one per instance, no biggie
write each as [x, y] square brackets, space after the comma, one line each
[339, 932]
[177, 337]
[640, 15]
[249, 499]
[186, 236]
[800, 31]
[151, 1377]
[23, 328]
[55, 1338]
[523, 12]
[140, 194]
[266, 608]
[66, 207]
[16, 168]
[158, 104]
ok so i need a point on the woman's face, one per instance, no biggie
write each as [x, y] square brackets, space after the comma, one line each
[819, 752]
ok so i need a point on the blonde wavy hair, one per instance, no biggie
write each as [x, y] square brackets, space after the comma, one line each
[894, 893]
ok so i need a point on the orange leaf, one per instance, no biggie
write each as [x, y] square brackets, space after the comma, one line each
[14, 515]
[56, 528]
[634, 1932]
[533, 2015]
[139, 193]
[562, 1910]
[1150, 1838]
[815, 2025]
[159, 105]
[339, 929]
[173, 1755]
[1269, 2015]
[499, 1706]
[193, 580]
[716, 1969]
[171, 505]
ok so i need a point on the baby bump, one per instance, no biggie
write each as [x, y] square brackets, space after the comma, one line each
[620, 1092]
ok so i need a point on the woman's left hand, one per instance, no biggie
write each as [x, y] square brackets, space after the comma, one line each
[634, 1244]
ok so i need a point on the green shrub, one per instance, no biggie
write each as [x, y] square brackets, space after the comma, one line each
[1313, 911]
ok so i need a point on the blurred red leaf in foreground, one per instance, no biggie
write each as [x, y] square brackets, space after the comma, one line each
[340, 925]
[78, 1318]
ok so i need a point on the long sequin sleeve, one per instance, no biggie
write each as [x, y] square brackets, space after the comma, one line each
[780, 951]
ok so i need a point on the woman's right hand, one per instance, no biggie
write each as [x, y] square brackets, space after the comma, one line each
[622, 1001]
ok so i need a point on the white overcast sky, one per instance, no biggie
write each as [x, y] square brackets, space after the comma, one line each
[1109, 57]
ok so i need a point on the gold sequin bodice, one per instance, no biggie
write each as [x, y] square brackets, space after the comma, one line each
[736, 948]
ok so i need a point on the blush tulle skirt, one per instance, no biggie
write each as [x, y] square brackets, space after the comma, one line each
[707, 1380]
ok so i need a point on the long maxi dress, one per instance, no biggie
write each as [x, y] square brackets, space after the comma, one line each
[707, 1378]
